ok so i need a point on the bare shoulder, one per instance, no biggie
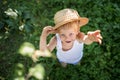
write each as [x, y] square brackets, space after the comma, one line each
[80, 36]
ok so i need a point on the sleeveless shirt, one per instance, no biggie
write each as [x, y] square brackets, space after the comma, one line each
[71, 56]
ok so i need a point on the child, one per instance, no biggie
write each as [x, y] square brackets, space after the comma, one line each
[68, 39]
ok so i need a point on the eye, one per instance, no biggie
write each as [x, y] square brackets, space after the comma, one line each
[62, 35]
[71, 34]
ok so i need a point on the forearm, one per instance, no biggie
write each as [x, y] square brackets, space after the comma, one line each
[43, 42]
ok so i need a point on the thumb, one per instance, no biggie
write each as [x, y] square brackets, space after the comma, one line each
[97, 32]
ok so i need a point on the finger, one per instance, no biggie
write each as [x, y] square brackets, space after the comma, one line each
[90, 33]
[50, 32]
[94, 32]
[99, 36]
[99, 41]
[48, 28]
[53, 32]
[97, 32]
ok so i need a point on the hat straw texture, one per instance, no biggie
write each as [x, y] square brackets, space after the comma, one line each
[68, 15]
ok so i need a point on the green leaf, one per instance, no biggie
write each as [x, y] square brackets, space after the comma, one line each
[38, 72]
[28, 28]
[27, 49]
[11, 13]
[1, 24]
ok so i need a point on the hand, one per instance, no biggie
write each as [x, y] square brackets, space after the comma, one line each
[48, 30]
[39, 53]
[95, 36]
[35, 56]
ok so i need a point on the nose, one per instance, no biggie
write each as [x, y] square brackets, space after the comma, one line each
[67, 38]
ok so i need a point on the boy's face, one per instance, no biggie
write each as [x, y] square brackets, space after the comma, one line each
[68, 35]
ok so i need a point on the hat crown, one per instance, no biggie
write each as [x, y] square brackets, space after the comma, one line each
[65, 15]
[68, 15]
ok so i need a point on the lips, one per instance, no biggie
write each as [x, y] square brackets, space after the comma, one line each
[67, 41]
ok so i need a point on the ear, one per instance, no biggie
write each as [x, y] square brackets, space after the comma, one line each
[77, 32]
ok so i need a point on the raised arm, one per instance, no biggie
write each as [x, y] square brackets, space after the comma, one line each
[92, 36]
[43, 43]
[44, 47]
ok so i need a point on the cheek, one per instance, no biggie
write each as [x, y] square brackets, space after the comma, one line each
[74, 37]
[62, 38]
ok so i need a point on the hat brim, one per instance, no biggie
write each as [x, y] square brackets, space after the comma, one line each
[83, 21]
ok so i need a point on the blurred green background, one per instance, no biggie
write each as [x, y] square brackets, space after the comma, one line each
[21, 24]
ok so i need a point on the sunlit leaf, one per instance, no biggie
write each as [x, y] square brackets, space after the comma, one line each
[27, 49]
[20, 68]
[1, 78]
[21, 27]
[19, 78]
[19, 72]
[38, 72]
[11, 13]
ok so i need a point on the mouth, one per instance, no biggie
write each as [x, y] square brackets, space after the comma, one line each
[67, 41]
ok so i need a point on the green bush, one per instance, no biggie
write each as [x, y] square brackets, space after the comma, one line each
[23, 20]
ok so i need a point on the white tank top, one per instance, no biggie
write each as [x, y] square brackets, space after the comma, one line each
[71, 56]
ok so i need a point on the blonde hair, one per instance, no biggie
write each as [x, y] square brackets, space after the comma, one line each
[74, 24]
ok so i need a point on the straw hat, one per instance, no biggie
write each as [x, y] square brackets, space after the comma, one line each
[68, 15]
